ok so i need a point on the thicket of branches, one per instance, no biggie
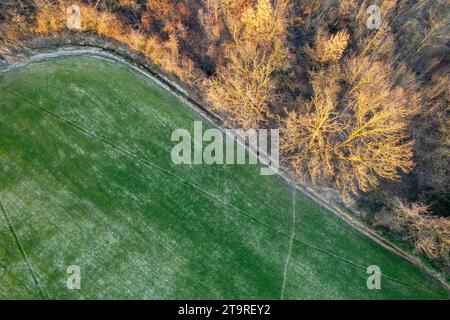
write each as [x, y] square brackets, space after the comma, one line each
[375, 120]
[362, 110]
[243, 85]
[128, 21]
[429, 234]
[353, 128]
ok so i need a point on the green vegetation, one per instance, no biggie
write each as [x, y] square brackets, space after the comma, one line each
[359, 88]
[87, 180]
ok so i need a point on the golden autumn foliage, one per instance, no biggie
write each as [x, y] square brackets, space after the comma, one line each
[328, 48]
[429, 234]
[244, 86]
[392, 84]
[164, 54]
[261, 23]
[354, 142]
[165, 16]
[51, 17]
[103, 23]
[356, 96]
[307, 135]
[127, 3]
[160, 9]
[11, 32]
[136, 40]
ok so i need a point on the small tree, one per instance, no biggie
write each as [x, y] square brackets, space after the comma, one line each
[328, 48]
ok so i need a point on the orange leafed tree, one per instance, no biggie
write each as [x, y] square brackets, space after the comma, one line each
[244, 86]
[354, 140]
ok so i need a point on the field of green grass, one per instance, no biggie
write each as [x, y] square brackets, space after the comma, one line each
[87, 179]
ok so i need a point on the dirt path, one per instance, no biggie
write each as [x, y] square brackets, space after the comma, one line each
[211, 117]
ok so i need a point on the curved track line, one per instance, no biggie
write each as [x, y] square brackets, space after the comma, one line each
[175, 89]
[205, 192]
[22, 251]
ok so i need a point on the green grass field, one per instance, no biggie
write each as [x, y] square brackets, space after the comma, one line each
[87, 179]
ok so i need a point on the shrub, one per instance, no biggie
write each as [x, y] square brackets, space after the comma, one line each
[50, 17]
[328, 48]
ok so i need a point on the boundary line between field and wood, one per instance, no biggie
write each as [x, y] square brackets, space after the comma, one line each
[216, 120]
[291, 242]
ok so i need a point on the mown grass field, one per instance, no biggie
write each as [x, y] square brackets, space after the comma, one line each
[87, 179]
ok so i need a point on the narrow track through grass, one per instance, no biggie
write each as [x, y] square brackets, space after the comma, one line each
[87, 177]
